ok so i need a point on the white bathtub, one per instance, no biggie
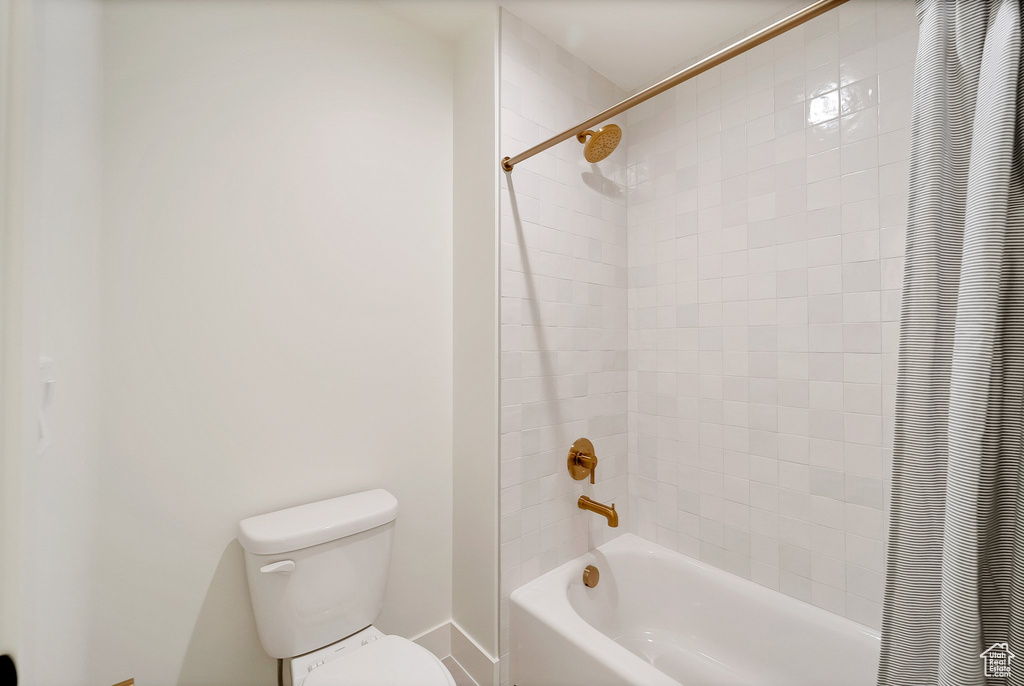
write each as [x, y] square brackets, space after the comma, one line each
[659, 618]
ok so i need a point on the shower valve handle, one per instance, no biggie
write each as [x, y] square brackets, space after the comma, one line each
[582, 461]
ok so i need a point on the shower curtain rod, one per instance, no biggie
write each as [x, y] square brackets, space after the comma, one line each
[738, 48]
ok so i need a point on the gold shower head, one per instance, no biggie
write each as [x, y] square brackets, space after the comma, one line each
[602, 142]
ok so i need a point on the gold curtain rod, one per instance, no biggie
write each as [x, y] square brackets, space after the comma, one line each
[738, 48]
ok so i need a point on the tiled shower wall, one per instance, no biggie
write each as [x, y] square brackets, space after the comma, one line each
[767, 204]
[563, 313]
[752, 347]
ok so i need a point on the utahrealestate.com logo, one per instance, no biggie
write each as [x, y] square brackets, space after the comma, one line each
[997, 660]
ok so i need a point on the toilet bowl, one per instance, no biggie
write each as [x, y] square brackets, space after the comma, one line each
[317, 575]
[370, 658]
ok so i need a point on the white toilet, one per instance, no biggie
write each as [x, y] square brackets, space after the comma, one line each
[317, 574]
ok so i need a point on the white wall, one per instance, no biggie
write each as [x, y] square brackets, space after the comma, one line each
[563, 312]
[15, 27]
[766, 220]
[475, 419]
[277, 312]
[60, 287]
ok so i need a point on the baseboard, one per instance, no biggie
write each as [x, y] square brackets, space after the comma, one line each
[478, 664]
[437, 640]
[447, 639]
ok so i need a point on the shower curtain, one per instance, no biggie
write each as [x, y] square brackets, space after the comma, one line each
[954, 599]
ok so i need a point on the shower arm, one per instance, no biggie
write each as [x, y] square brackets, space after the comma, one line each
[737, 48]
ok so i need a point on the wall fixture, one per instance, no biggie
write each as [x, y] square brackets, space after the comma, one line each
[602, 142]
[606, 511]
[582, 461]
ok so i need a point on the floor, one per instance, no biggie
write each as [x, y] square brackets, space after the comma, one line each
[458, 673]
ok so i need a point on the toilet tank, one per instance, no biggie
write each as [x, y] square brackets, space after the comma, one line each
[317, 572]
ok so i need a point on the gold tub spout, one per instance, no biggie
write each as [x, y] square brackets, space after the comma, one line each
[586, 503]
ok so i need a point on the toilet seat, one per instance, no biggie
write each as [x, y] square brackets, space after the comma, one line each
[387, 661]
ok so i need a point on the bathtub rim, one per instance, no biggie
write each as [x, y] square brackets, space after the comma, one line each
[546, 598]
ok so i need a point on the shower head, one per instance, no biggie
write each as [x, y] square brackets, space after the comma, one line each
[602, 142]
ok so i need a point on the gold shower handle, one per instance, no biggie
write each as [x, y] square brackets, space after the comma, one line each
[582, 135]
[589, 463]
[582, 460]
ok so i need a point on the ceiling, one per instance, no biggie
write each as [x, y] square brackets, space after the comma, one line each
[629, 41]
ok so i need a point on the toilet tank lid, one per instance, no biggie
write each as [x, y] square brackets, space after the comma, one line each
[315, 523]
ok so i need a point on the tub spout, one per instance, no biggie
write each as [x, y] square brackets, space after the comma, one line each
[586, 503]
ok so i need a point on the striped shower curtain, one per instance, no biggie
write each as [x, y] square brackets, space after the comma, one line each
[955, 571]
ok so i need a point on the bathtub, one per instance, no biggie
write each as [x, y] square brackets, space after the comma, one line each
[660, 618]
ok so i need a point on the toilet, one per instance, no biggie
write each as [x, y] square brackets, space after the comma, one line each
[317, 575]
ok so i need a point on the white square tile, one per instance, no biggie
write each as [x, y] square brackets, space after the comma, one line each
[859, 65]
[825, 193]
[823, 165]
[862, 368]
[861, 246]
[861, 276]
[860, 216]
[858, 95]
[860, 155]
[862, 338]
[863, 124]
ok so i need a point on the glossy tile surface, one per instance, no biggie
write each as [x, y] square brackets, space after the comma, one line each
[765, 261]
